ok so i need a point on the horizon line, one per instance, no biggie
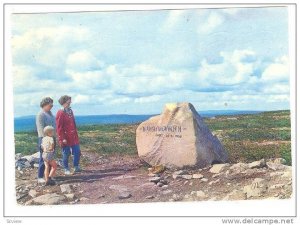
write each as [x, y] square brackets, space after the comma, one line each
[123, 114]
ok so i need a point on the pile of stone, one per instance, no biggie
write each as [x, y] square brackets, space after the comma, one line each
[27, 161]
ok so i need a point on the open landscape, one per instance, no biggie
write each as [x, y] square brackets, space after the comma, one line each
[259, 167]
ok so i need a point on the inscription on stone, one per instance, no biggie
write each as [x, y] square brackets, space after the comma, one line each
[170, 131]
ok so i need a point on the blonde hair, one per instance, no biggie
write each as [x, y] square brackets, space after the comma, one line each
[47, 129]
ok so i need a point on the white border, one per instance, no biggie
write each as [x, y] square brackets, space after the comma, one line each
[205, 208]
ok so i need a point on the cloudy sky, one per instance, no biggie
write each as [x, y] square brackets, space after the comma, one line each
[136, 61]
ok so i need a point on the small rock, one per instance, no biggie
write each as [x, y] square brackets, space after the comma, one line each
[176, 176]
[124, 195]
[167, 192]
[197, 176]
[19, 168]
[83, 199]
[154, 179]
[239, 167]
[204, 179]
[21, 196]
[101, 196]
[32, 193]
[214, 182]
[36, 165]
[66, 188]
[30, 202]
[163, 182]
[279, 161]
[186, 196]
[257, 164]
[150, 197]
[177, 197]
[187, 177]
[159, 184]
[70, 196]
[27, 164]
[215, 175]
[256, 189]
[275, 186]
[49, 199]
[179, 172]
[165, 186]
[18, 156]
[200, 194]
[185, 182]
[287, 174]
[218, 168]
[275, 174]
[275, 166]
[153, 175]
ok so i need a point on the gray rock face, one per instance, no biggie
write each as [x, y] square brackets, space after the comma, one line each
[177, 138]
[66, 188]
[32, 193]
[49, 199]
[257, 164]
[218, 168]
[124, 195]
[256, 189]
[34, 158]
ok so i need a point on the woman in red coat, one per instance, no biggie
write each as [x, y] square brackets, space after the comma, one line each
[67, 134]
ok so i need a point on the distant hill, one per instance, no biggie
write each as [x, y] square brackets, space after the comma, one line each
[27, 123]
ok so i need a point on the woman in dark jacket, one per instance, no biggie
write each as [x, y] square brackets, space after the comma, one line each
[44, 118]
[67, 134]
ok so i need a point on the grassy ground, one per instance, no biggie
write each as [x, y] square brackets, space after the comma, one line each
[245, 137]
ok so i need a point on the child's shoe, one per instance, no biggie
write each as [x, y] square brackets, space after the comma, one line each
[67, 172]
[41, 181]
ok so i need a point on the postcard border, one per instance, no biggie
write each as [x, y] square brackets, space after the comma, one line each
[225, 4]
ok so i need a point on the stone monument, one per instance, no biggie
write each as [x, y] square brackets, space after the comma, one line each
[178, 138]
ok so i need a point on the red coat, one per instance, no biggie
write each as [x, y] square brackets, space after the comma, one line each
[66, 128]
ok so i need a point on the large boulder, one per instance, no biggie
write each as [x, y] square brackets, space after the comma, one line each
[177, 138]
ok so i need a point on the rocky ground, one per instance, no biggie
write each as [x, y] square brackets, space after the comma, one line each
[125, 179]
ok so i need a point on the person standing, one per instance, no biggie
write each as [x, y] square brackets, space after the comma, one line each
[44, 118]
[67, 134]
[48, 154]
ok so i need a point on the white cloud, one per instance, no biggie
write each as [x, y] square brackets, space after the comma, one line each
[88, 79]
[153, 98]
[81, 99]
[115, 62]
[47, 46]
[83, 60]
[214, 20]
[277, 71]
[173, 19]
[232, 71]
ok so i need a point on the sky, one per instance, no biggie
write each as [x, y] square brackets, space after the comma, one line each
[134, 62]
